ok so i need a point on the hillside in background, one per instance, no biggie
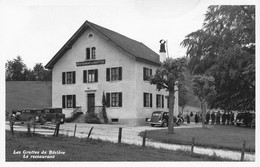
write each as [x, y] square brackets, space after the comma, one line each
[28, 94]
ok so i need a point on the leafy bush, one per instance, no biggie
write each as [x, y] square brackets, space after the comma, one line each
[92, 118]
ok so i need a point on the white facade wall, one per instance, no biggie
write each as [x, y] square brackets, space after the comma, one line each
[132, 85]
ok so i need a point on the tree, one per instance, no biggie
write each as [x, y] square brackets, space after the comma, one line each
[225, 49]
[40, 73]
[203, 87]
[183, 99]
[166, 77]
[15, 70]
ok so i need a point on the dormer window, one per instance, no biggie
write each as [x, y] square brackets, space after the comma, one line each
[91, 53]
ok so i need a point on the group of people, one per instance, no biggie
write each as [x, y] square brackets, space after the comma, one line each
[211, 117]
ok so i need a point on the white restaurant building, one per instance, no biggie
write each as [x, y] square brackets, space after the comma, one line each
[96, 60]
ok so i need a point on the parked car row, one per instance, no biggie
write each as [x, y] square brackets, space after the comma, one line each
[38, 115]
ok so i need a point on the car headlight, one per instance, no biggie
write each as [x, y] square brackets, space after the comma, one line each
[160, 121]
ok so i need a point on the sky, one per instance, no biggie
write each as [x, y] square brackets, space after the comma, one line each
[37, 29]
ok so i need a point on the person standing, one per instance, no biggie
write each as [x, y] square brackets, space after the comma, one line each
[232, 118]
[224, 117]
[212, 118]
[188, 118]
[218, 118]
[196, 118]
[228, 118]
[207, 117]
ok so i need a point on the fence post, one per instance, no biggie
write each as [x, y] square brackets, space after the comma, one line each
[120, 135]
[89, 133]
[57, 129]
[29, 128]
[12, 126]
[144, 138]
[34, 127]
[75, 130]
[192, 144]
[243, 151]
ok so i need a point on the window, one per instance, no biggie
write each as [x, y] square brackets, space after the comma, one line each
[148, 100]
[88, 53]
[147, 73]
[114, 99]
[114, 74]
[69, 77]
[159, 101]
[90, 35]
[90, 76]
[91, 54]
[93, 50]
[69, 101]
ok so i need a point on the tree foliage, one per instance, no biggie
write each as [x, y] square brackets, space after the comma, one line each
[16, 70]
[166, 77]
[225, 48]
[203, 87]
[183, 98]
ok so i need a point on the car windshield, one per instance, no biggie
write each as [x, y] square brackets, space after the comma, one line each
[156, 114]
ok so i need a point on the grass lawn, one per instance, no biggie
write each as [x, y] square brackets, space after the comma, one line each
[76, 149]
[218, 136]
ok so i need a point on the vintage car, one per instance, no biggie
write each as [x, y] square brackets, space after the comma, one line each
[245, 118]
[54, 115]
[31, 115]
[161, 118]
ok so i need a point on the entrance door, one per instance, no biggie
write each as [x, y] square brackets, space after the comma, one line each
[91, 100]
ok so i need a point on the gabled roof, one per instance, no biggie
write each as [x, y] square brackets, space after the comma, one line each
[134, 48]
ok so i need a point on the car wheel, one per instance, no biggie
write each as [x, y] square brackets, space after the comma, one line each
[164, 124]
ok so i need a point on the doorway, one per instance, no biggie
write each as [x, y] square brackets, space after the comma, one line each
[91, 100]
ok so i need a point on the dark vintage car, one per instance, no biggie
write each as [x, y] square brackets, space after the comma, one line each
[54, 115]
[245, 119]
[30, 115]
[38, 115]
[161, 118]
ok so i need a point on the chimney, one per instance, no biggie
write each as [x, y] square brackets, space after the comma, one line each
[162, 50]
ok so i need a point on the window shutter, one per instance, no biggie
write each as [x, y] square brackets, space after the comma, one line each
[144, 73]
[162, 101]
[108, 74]
[63, 101]
[74, 77]
[144, 100]
[120, 73]
[74, 101]
[63, 77]
[120, 99]
[151, 72]
[96, 75]
[107, 99]
[85, 76]
[151, 100]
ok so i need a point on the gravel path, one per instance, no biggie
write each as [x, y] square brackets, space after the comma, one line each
[130, 135]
